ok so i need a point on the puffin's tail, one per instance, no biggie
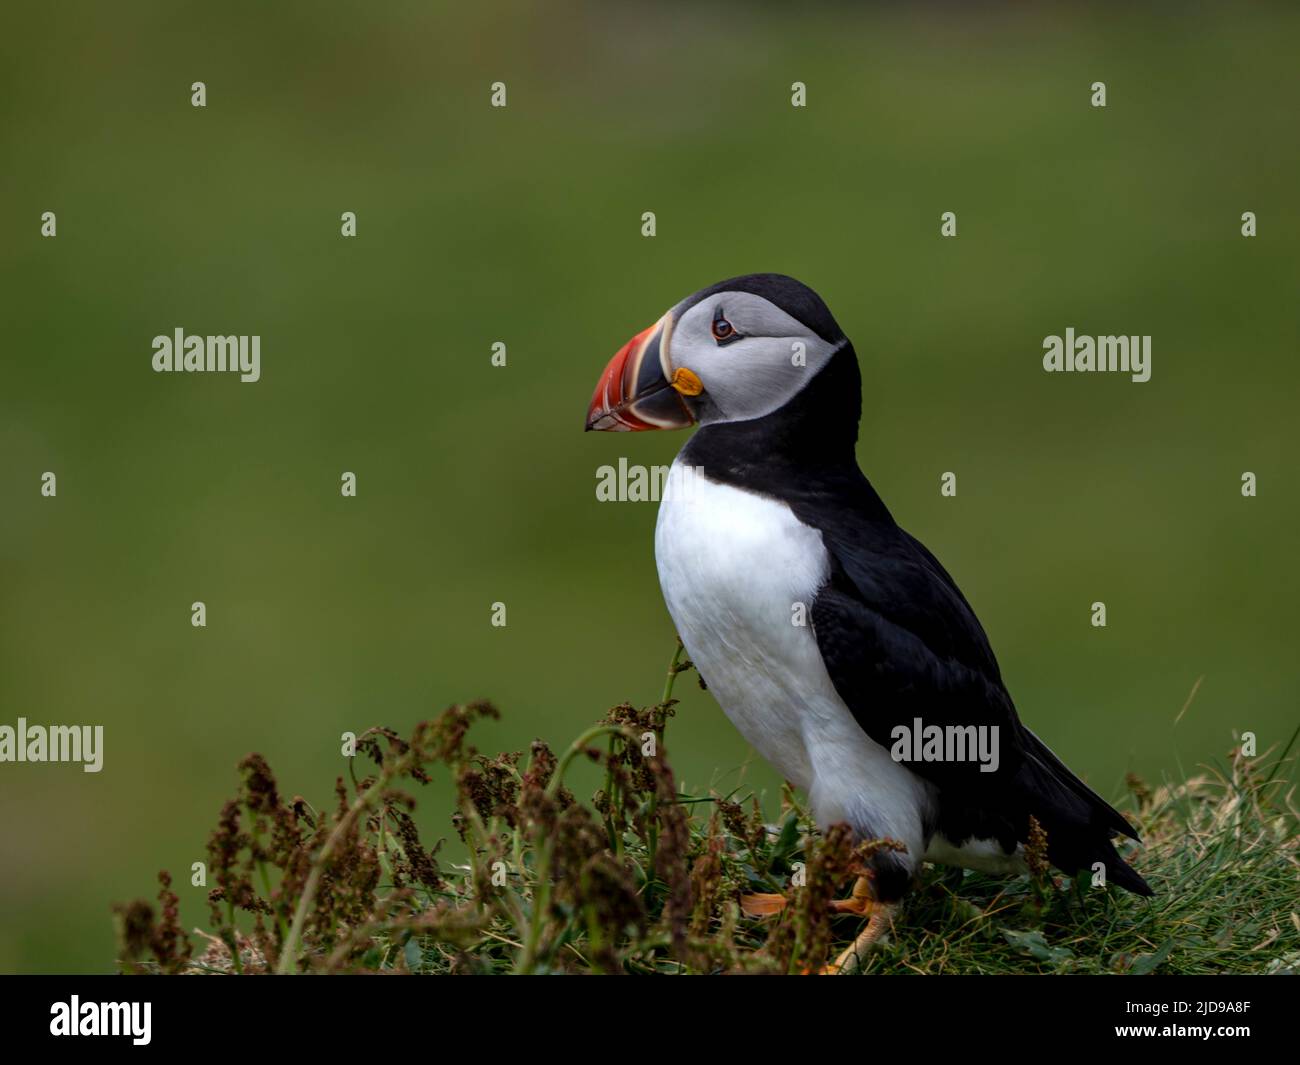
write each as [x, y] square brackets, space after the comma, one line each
[1078, 821]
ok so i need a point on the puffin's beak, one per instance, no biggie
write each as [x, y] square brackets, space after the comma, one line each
[638, 390]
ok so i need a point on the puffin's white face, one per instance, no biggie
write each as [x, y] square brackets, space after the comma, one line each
[725, 355]
[750, 355]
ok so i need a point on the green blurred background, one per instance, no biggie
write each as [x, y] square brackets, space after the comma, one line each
[477, 485]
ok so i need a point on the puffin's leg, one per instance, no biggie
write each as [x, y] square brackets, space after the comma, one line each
[851, 958]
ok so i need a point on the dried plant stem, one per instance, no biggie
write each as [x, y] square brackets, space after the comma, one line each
[262, 871]
[674, 667]
[363, 802]
[542, 892]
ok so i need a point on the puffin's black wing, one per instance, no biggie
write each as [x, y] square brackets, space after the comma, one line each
[900, 642]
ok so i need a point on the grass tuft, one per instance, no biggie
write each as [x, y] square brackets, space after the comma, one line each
[645, 878]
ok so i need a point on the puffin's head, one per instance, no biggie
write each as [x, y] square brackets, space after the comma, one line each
[735, 351]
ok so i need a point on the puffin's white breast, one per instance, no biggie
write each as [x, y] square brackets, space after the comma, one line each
[739, 573]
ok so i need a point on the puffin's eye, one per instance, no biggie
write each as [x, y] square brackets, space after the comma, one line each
[723, 330]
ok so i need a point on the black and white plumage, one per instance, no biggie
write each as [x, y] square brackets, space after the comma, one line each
[765, 511]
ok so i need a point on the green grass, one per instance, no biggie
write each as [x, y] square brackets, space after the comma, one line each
[645, 878]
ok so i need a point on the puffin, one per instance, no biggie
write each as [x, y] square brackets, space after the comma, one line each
[833, 640]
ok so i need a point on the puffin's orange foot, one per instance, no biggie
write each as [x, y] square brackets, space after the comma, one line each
[762, 905]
